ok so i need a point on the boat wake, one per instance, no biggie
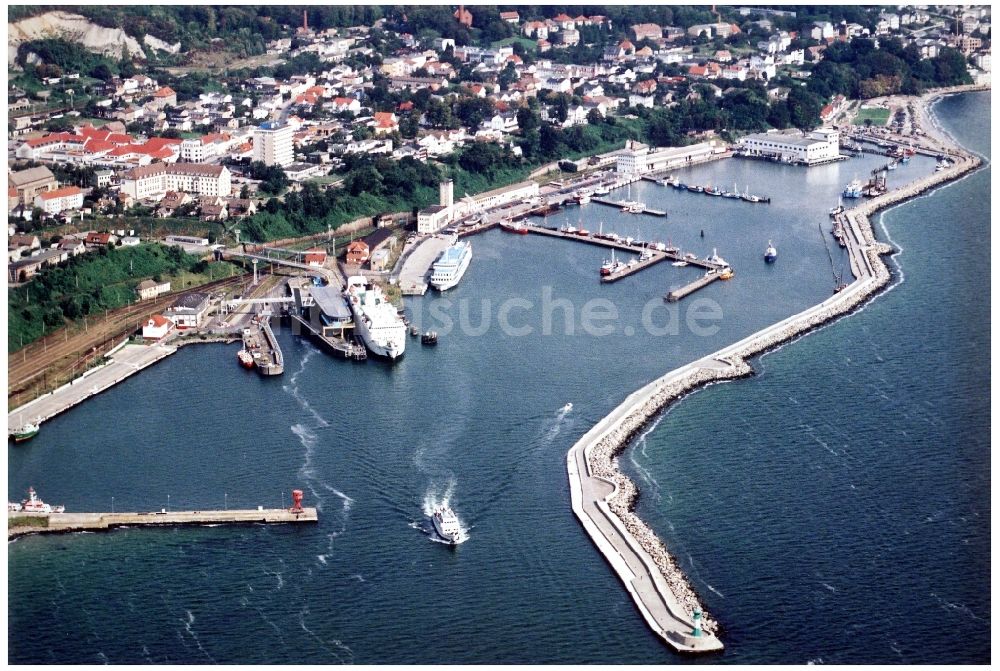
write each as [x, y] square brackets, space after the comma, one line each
[557, 425]
[339, 651]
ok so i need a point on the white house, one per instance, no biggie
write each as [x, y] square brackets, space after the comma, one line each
[156, 327]
[60, 200]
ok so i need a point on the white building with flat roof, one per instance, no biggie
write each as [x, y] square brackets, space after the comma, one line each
[819, 146]
[272, 144]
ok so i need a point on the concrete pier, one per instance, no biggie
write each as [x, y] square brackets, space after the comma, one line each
[68, 522]
[603, 498]
[692, 287]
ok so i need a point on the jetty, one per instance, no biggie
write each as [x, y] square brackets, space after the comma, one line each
[125, 360]
[620, 204]
[21, 523]
[603, 498]
[691, 287]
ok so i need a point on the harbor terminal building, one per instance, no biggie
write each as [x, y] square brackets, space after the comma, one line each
[820, 146]
[638, 159]
[435, 217]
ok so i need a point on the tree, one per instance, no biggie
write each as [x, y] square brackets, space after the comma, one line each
[594, 117]
[245, 192]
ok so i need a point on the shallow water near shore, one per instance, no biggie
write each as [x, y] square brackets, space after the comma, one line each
[793, 572]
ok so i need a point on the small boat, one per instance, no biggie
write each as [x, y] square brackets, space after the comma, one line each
[414, 331]
[33, 504]
[566, 228]
[429, 338]
[716, 259]
[679, 185]
[606, 267]
[26, 432]
[770, 254]
[583, 233]
[512, 227]
[696, 189]
[679, 264]
[602, 191]
[447, 526]
[582, 198]
[726, 274]
[567, 407]
[646, 255]
[712, 191]
[691, 256]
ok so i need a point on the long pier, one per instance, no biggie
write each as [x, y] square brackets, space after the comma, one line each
[603, 498]
[21, 523]
[687, 289]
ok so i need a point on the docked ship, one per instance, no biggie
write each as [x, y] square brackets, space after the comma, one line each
[582, 197]
[33, 504]
[26, 432]
[612, 265]
[454, 261]
[770, 254]
[245, 358]
[446, 525]
[513, 227]
[854, 189]
[716, 259]
[376, 321]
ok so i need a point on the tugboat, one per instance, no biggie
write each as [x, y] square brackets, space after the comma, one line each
[446, 525]
[33, 504]
[429, 338]
[245, 358]
[771, 254]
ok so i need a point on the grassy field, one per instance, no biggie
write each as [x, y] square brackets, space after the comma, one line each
[879, 117]
[529, 45]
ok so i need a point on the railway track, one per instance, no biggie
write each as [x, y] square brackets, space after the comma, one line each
[53, 360]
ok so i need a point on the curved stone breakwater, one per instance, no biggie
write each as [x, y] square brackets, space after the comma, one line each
[664, 596]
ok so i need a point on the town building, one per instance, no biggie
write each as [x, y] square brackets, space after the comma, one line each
[149, 289]
[31, 182]
[60, 200]
[357, 253]
[156, 179]
[156, 327]
[272, 144]
[188, 310]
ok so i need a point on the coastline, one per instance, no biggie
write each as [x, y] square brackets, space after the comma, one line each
[593, 459]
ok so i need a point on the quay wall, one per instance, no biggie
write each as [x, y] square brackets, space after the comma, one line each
[611, 436]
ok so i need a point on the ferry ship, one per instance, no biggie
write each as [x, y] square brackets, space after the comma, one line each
[770, 254]
[33, 504]
[454, 261]
[854, 189]
[446, 525]
[375, 319]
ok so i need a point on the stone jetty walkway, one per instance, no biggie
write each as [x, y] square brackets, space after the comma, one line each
[603, 498]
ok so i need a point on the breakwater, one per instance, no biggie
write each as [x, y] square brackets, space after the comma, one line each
[592, 460]
[21, 523]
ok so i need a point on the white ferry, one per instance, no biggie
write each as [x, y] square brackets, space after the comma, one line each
[446, 525]
[376, 319]
[448, 269]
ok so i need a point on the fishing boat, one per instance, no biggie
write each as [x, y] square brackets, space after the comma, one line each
[770, 254]
[712, 191]
[568, 229]
[646, 254]
[513, 227]
[695, 188]
[583, 233]
[26, 432]
[678, 185]
[602, 191]
[582, 197]
[429, 338]
[749, 197]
